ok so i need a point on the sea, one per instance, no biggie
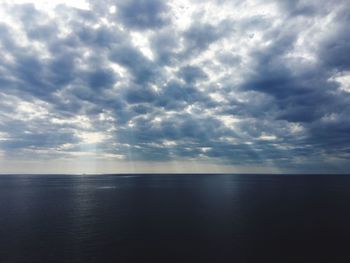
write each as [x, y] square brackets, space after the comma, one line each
[174, 218]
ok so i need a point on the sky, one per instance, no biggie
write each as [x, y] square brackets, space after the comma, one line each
[106, 86]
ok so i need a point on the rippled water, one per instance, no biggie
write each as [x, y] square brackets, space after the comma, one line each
[174, 218]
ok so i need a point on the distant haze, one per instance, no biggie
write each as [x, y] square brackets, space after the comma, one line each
[103, 86]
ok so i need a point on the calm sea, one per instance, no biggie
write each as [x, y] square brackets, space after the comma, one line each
[174, 218]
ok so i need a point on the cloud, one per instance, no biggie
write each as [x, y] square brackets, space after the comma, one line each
[336, 44]
[259, 83]
[143, 14]
[191, 74]
[141, 68]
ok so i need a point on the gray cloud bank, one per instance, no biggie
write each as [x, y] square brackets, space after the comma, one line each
[248, 83]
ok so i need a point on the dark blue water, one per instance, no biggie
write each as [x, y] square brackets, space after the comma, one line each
[174, 218]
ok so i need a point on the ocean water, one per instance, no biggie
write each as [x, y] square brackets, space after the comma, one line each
[174, 218]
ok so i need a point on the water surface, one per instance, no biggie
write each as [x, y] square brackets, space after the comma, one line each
[174, 218]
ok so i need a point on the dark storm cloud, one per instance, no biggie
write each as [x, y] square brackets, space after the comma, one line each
[299, 8]
[199, 36]
[191, 74]
[218, 87]
[176, 95]
[143, 14]
[179, 127]
[37, 140]
[31, 134]
[303, 94]
[97, 38]
[306, 93]
[37, 25]
[100, 78]
[335, 47]
[164, 45]
[142, 69]
[139, 94]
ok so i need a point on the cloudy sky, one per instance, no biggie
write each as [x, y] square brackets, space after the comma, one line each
[102, 86]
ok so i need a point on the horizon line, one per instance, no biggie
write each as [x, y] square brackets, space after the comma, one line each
[167, 173]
